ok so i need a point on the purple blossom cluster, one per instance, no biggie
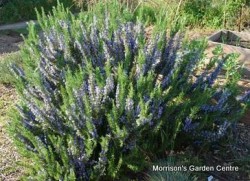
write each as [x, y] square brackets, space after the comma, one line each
[212, 77]
[189, 126]
[206, 81]
[212, 136]
[220, 103]
[245, 97]
[80, 94]
[206, 135]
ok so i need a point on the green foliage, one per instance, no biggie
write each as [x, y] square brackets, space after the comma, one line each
[195, 10]
[21, 10]
[6, 76]
[146, 14]
[172, 163]
[232, 9]
[193, 13]
[199, 13]
[111, 7]
[99, 99]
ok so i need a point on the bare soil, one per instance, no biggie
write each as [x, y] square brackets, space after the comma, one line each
[9, 42]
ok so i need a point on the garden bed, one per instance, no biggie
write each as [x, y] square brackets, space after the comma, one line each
[233, 42]
[234, 38]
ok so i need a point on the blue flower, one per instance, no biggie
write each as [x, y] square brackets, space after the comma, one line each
[189, 126]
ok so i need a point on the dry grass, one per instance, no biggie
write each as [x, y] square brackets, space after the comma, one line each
[9, 168]
[9, 158]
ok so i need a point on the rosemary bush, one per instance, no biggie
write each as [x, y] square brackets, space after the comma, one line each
[98, 101]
